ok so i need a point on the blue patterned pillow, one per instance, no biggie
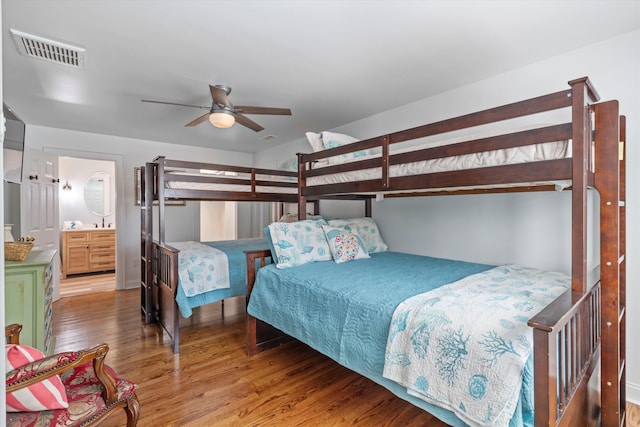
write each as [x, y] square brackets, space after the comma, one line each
[345, 245]
[267, 235]
[290, 165]
[332, 140]
[301, 242]
[367, 229]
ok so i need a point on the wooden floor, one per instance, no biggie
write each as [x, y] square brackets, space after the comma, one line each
[212, 381]
[82, 284]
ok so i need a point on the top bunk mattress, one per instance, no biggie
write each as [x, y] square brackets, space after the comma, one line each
[273, 187]
[543, 151]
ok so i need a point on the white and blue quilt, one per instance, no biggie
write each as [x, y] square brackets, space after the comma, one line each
[201, 268]
[464, 346]
[236, 272]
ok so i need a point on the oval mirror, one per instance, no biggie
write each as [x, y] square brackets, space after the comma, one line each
[97, 194]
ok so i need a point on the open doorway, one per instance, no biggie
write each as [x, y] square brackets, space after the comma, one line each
[87, 222]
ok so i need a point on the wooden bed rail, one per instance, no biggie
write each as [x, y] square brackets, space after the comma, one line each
[577, 99]
[165, 280]
[260, 335]
[566, 337]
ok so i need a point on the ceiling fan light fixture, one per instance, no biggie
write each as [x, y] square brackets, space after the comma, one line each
[222, 119]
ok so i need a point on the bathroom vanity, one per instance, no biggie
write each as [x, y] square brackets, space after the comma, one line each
[88, 250]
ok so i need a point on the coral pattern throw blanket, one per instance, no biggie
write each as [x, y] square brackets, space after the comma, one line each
[201, 268]
[463, 346]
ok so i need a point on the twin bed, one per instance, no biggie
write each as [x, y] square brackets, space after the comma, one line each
[346, 310]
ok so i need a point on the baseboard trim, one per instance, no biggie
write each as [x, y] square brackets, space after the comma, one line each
[633, 393]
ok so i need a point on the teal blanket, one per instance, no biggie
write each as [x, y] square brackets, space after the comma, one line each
[344, 311]
[234, 249]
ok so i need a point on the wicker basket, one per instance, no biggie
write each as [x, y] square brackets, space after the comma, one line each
[16, 251]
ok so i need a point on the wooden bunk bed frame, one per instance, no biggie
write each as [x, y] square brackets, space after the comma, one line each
[159, 261]
[583, 331]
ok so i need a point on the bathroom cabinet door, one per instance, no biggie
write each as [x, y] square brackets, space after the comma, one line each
[75, 252]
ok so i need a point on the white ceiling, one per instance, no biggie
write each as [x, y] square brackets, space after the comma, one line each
[331, 62]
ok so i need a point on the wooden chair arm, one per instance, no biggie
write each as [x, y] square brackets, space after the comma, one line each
[34, 372]
[12, 333]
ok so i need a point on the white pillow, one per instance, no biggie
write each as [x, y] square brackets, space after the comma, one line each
[300, 242]
[315, 139]
[332, 140]
[366, 228]
[345, 245]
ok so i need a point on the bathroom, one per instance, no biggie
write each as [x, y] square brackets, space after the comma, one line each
[87, 199]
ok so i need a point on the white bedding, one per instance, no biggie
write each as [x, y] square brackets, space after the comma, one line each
[516, 155]
[234, 187]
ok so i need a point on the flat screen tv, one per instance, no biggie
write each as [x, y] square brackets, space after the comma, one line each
[13, 148]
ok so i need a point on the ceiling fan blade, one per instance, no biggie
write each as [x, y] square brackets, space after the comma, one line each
[263, 110]
[175, 103]
[219, 95]
[195, 122]
[245, 121]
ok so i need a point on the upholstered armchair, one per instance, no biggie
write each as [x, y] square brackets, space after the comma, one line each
[79, 380]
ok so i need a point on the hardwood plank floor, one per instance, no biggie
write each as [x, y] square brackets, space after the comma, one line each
[87, 284]
[212, 381]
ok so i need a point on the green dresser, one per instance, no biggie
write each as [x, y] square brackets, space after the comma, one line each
[28, 298]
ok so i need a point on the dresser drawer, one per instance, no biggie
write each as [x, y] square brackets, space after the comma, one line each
[76, 236]
[108, 236]
[102, 257]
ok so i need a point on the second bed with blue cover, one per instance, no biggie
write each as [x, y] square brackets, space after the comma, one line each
[345, 311]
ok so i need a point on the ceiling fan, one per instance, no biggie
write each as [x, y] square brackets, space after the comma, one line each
[223, 114]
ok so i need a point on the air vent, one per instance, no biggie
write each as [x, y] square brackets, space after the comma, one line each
[49, 50]
[268, 137]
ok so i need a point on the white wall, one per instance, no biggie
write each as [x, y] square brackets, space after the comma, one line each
[127, 153]
[531, 229]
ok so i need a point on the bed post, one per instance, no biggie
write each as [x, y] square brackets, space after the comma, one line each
[260, 335]
[302, 200]
[146, 244]
[367, 207]
[160, 191]
[581, 92]
[610, 183]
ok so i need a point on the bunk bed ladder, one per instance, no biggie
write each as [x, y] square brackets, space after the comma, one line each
[610, 150]
[146, 243]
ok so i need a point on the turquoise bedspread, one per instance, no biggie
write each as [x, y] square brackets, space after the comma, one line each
[344, 311]
[237, 274]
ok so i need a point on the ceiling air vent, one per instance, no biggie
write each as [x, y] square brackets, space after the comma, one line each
[49, 50]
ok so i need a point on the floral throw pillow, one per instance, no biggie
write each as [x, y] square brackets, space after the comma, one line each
[345, 245]
[367, 229]
[299, 242]
[41, 396]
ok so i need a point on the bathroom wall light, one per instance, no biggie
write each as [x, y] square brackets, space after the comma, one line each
[66, 186]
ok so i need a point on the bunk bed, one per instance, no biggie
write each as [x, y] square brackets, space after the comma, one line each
[579, 338]
[164, 180]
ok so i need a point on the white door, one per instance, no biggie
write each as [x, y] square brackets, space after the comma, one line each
[218, 221]
[39, 205]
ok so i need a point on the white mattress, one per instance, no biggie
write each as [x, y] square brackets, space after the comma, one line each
[233, 187]
[516, 155]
